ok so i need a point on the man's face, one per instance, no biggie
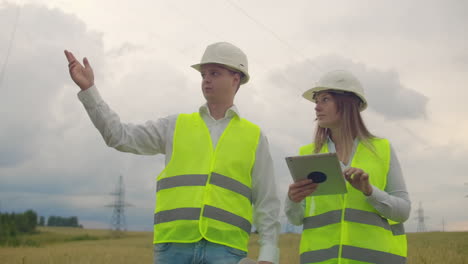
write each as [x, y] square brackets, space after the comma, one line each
[219, 85]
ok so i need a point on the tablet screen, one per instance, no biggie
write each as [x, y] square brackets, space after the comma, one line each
[323, 169]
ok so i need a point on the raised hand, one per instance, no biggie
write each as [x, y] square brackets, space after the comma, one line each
[359, 179]
[82, 76]
[301, 189]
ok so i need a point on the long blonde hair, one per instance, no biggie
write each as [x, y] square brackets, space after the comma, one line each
[352, 124]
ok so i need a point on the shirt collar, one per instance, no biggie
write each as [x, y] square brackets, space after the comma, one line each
[331, 144]
[232, 111]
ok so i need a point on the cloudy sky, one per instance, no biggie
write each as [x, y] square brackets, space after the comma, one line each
[411, 56]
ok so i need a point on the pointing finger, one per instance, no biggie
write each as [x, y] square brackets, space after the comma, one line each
[69, 56]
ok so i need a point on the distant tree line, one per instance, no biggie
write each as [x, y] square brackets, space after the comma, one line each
[14, 224]
[62, 221]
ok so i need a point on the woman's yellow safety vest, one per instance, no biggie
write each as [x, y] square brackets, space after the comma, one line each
[205, 192]
[346, 229]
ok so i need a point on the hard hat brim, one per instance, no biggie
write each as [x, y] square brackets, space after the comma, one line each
[309, 95]
[244, 79]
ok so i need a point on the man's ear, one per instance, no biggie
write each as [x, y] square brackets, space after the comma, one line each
[238, 77]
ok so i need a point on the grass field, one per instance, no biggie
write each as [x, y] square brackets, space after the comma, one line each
[80, 246]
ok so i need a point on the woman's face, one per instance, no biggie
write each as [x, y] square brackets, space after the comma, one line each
[326, 110]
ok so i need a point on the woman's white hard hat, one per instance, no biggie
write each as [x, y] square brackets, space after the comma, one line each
[338, 80]
[226, 54]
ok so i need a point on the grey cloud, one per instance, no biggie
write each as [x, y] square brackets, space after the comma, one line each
[384, 91]
[51, 149]
[151, 89]
[44, 142]
[124, 49]
[392, 99]
[36, 76]
[420, 21]
[52, 156]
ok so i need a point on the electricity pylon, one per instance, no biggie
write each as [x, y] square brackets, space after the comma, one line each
[420, 217]
[118, 223]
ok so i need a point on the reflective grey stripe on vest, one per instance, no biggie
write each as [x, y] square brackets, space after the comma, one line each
[371, 256]
[398, 229]
[227, 217]
[320, 255]
[182, 180]
[177, 214]
[324, 219]
[231, 184]
[354, 253]
[352, 215]
[365, 217]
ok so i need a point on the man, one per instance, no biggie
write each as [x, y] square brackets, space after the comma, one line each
[217, 166]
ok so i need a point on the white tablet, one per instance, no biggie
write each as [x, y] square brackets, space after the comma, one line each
[323, 169]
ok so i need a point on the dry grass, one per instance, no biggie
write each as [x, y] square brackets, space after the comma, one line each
[438, 248]
[288, 243]
[135, 247]
[58, 246]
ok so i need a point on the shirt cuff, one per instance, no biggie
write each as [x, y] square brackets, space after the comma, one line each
[268, 252]
[90, 97]
[377, 196]
[291, 205]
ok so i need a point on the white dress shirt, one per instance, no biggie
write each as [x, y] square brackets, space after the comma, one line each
[154, 137]
[392, 203]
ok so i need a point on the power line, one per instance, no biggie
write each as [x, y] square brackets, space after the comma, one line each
[273, 33]
[10, 44]
[286, 44]
[194, 21]
[264, 27]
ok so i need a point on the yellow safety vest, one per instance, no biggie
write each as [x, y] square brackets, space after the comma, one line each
[346, 229]
[205, 192]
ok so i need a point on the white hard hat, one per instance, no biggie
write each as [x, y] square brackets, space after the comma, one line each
[338, 80]
[226, 54]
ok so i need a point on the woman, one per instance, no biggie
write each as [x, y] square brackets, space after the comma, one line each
[365, 225]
